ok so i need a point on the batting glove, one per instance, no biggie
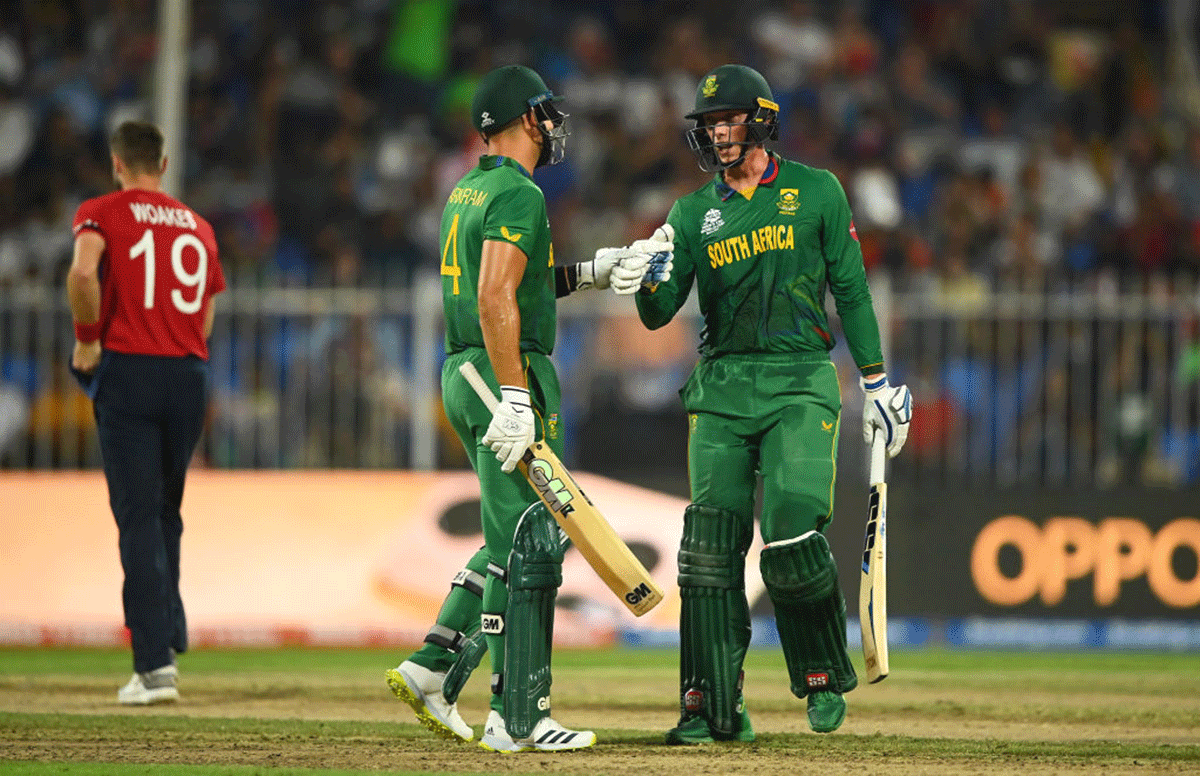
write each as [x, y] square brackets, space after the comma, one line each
[651, 264]
[511, 430]
[887, 410]
[597, 273]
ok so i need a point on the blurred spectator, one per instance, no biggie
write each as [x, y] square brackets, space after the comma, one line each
[794, 42]
[985, 148]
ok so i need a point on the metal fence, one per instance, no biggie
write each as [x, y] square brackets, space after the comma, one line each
[1091, 387]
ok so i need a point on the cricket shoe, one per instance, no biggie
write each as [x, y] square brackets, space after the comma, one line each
[826, 710]
[694, 729]
[157, 686]
[421, 689]
[546, 736]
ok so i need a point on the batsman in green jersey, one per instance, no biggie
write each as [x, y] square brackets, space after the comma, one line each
[499, 291]
[761, 243]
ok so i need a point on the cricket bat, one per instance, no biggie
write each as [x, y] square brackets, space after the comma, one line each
[872, 591]
[588, 530]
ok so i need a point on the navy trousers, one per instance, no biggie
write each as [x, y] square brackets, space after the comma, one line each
[149, 415]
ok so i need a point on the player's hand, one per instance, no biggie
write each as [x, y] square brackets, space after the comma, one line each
[887, 409]
[650, 265]
[86, 356]
[597, 273]
[511, 429]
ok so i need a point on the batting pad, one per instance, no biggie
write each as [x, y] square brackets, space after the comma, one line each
[534, 576]
[458, 618]
[714, 621]
[470, 653]
[810, 613]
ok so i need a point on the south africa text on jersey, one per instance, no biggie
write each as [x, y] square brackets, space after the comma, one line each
[464, 195]
[744, 246]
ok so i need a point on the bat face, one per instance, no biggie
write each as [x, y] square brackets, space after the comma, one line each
[589, 531]
[550, 487]
[872, 594]
[872, 526]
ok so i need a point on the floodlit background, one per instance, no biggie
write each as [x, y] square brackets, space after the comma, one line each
[1025, 181]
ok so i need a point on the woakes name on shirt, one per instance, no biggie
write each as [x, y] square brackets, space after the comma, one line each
[145, 213]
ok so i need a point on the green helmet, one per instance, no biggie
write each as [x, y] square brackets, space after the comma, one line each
[730, 87]
[506, 93]
[733, 87]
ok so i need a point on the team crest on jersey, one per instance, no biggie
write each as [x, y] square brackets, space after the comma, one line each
[710, 86]
[712, 221]
[789, 201]
[552, 426]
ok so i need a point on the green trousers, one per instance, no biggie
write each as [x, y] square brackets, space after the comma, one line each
[503, 497]
[771, 414]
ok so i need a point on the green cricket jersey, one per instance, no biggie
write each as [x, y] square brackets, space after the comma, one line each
[497, 200]
[761, 266]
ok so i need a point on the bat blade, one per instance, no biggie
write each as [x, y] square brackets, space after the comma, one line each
[872, 592]
[591, 534]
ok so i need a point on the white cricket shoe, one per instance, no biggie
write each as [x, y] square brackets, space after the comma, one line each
[546, 736]
[157, 686]
[421, 689]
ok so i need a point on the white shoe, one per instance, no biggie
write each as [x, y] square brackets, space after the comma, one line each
[157, 686]
[422, 689]
[546, 736]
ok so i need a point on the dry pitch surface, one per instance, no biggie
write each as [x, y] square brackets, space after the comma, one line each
[939, 713]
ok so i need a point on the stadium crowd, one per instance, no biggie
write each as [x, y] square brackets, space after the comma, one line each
[984, 146]
[980, 143]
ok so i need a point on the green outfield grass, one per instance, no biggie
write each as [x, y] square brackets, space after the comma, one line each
[326, 711]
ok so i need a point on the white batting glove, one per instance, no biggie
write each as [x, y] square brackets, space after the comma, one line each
[511, 429]
[597, 273]
[887, 410]
[649, 266]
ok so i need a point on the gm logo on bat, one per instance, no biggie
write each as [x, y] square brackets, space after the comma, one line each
[636, 595]
[551, 489]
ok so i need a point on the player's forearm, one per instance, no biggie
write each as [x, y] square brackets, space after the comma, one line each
[83, 294]
[566, 280]
[210, 314]
[500, 321]
[862, 336]
[656, 308]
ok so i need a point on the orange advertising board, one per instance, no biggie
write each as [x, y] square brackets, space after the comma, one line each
[339, 557]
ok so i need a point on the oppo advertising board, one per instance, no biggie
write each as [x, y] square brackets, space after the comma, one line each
[962, 550]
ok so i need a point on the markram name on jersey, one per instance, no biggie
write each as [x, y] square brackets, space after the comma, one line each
[467, 196]
[750, 244]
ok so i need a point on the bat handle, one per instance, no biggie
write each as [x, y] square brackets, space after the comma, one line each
[469, 371]
[878, 459]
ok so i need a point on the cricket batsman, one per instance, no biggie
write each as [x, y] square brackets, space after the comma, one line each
[762, 242]
[499, 291]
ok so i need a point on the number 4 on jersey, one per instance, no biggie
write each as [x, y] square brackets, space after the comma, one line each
[450, 250]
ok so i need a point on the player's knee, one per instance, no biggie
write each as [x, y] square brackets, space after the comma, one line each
[799, 570]
[795, 512]
[537, 555]
[713, 550]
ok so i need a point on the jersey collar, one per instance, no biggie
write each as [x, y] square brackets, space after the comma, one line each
[492, 161]
[725, 191]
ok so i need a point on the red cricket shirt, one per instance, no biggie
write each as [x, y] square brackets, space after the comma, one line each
[158, 270]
